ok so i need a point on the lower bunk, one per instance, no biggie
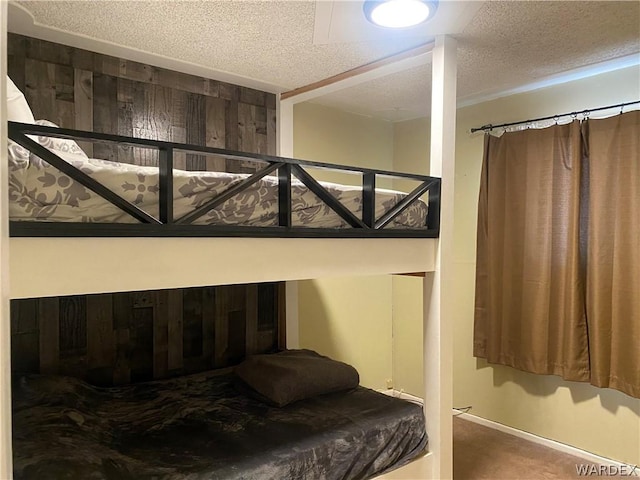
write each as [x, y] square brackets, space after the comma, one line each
[205, 426]
[191, 383]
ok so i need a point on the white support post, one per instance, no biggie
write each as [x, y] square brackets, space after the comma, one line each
[284, 125]
[438, 288]
[6, 470]
[284, 146]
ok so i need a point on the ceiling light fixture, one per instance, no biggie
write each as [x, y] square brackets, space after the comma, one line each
[399, 13]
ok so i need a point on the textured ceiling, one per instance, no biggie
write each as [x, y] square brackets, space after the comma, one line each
[399, 96]
[505, 45]
[267, 40]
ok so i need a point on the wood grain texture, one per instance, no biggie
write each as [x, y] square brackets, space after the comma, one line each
[141, 344]
[161, 335]
[196, 115]
[73, 325]
[192, 326]
[271, 131]
[125, 337]
[175, 328]
[83, 100]
[237, 336]
[222, 326]
[89, 91]
[49, 334]
[100, 331]
[209, 325]
[122, 367]
[40, 89]
[25, 347]
[105, 114]
[252, 307]
[16, 56]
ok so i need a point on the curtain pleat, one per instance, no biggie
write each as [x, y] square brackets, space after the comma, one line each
[529, 311]
[613, 251]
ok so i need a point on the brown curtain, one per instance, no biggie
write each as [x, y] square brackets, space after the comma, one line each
[613, 259]
[530, 310]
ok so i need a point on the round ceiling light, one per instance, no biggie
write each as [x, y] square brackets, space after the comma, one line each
[399, 13]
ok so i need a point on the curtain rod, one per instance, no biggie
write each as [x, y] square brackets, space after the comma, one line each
[586, 112]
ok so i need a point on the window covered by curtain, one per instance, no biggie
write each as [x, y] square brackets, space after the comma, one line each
[529, 302]
[613, 260]
[558, 262]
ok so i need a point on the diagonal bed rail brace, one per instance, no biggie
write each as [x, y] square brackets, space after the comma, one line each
[335, 205]
[82, 178]
[403, 204]
[227, 194]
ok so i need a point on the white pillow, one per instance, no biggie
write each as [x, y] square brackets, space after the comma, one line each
[17, 107]
[59, 144]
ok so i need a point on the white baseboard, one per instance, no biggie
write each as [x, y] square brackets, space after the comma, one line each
[547, 442]
[401, 394]
[561, 447]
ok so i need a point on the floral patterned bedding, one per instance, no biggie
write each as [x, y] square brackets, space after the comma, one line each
[39, 192]
[201, 427]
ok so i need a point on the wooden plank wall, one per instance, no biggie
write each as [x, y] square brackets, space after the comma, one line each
[79, 89]
[120, 338]
[128, 337]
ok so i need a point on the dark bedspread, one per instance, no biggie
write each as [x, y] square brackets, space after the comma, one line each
[201, 427]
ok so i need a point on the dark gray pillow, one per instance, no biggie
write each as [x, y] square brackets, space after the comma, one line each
[286, 377]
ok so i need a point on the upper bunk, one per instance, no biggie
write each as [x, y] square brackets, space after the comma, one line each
[369, 228]
[95, 219]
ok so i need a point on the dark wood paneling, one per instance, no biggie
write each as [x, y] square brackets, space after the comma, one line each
[16, 57]
[192, 323]
[122, 367]
[209, 325]
[141, 343]
[161, 335]
[100, 339]
[49, 334]
[176, 312]
[136, 336]
[196, 129]
[83, 100]
[105, 113]
[123, 337]
[89, 91]
[73, 326]
[252, 323]
[231, 125]
[267, 299]
[237, 339]
[25, 348]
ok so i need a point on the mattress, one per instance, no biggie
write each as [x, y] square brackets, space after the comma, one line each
[39, 192]
[201, 427]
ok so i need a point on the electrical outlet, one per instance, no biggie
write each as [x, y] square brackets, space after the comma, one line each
[389, 384]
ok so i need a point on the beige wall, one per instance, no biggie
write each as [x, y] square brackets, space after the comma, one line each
[347, 318]
[411, 141]
[602, 421]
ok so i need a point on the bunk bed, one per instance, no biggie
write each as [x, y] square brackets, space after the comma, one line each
[203, 426]
[372, 214]
[55, 189]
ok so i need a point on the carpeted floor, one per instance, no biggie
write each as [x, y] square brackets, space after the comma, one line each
[482, 453]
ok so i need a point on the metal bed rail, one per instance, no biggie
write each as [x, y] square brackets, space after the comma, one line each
[166, 225]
